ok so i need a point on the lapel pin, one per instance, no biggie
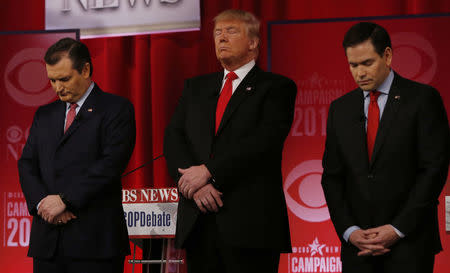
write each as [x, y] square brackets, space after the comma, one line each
[89, 110]
[248, 88]
[397, 97]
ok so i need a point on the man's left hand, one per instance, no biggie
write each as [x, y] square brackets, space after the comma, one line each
[382, 235]
[50, 207]
[192, 179]
[208, 198]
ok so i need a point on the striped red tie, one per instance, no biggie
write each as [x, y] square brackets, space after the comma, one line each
[225, 96]
[71, 115]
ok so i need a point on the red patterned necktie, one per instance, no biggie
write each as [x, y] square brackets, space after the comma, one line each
[373, 120]
[225, 96]
[71, 115]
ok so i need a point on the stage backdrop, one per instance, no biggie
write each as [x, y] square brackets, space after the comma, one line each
[24, 87]
[320, 69]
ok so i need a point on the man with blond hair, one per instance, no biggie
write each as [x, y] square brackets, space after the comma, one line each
[223, 147]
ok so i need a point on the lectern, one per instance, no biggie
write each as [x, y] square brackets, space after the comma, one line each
[151, 213]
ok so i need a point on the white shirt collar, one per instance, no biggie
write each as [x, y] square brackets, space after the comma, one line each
[84, 97]
[242, 71]
[385, 86]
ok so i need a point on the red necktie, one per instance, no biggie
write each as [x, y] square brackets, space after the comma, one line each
[225, 96]
[71, 115]
[373, 119]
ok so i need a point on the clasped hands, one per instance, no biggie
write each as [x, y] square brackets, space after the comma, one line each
[374, 241]
[53, 210]
[193, 184]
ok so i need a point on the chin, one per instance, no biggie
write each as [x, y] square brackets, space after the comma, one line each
[226, 59]
[366, 88]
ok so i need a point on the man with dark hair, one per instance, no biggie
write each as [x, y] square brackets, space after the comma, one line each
[77, 52]
[385, 162]
[71, 166]
[223, 147]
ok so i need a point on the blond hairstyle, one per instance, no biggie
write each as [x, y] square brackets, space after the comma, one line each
[251, 22]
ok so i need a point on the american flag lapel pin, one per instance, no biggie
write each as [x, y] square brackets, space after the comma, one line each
[397, 97]
[249, 88]
[89, 110]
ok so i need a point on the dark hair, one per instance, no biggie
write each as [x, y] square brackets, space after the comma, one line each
[364, 31]
[77, 52]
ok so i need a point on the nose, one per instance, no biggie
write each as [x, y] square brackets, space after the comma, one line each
[223, 36]
[360, 72]
[58, 86]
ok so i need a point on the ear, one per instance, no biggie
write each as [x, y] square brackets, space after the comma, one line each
[253, 43]
[86, 71]
[388, 56]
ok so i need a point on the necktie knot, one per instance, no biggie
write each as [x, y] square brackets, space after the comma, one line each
[374, 96]
[231, 76]
[73, 106]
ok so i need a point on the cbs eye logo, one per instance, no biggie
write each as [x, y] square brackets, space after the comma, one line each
[304, 194]
[414, 56]
[26, 79]
[14, 134]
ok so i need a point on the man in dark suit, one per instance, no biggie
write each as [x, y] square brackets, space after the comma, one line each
[385, 162]
[226, 157]
[71, 166]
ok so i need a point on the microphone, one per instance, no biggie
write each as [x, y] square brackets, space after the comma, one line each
[143, 165]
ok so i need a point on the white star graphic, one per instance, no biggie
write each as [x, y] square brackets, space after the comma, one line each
[316, 247]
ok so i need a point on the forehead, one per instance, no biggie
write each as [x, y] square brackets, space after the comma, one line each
[361, 52]
[228, 24]
[61, 68]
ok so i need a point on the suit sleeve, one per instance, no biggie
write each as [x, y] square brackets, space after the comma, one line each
[176, 148]
[119, 136]
[433, 151]
[333, 179]
[29, 173]
[266, 141]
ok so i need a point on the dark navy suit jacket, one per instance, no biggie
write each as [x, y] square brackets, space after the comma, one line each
[402, 182]
[244, 157]
[85, 165]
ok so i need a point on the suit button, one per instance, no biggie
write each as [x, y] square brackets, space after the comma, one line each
[370, 176]
[211, 156]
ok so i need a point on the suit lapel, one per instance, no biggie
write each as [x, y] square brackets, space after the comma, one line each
[58, 120]
[212, 92]
[85, 113]
[357, 130]
[388, 116]
[243, 91]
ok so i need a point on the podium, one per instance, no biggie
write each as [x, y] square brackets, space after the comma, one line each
[151, 213]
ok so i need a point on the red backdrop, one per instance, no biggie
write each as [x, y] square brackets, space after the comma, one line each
[150, 69]
[320, 72]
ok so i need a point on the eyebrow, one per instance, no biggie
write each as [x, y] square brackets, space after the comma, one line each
[58, 79]
[229, 27]
[363, 62]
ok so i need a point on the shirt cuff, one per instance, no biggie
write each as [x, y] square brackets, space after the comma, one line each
[399, 233]
[349, 231]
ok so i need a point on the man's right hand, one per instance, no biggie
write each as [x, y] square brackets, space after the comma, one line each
[362, 240]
